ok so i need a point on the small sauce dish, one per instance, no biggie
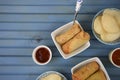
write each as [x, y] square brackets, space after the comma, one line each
[114, 57]
[42, 55]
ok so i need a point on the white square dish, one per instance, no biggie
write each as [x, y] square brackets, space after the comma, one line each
[62, 29]
[88, 61]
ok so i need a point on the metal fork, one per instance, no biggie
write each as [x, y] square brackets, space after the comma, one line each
[77, 8]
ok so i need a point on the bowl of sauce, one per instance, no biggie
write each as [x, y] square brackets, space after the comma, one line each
[42, 55]
[115, 57]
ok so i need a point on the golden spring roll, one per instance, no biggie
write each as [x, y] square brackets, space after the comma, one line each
[84, 72]
[62, 38]
[99, 75]
[80, 39]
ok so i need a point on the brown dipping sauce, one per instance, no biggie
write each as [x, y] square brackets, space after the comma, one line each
[116, 57]
[42, 55]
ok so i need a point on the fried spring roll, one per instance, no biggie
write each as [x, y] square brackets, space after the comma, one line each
[84, 72]
[62, 38]
[99, 75]
[80, 39]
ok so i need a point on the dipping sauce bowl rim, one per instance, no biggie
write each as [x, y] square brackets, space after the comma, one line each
[110, 57]
[34, 52]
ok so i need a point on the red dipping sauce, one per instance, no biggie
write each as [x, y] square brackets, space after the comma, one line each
[42, 55]
[116, 57]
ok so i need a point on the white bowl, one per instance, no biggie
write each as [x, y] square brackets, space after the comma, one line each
[88, 61]
[110, 57]
[97, 36]
[34, 52]
[51, 72]
[61, 30]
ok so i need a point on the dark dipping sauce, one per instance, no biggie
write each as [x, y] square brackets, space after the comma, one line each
[116, 57]
[42, 55]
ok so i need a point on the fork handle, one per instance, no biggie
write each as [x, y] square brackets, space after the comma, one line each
[78, 5]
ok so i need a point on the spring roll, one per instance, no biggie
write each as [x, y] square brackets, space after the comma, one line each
[80, 39]
[62, 38]
[84, 72]
[99, 75]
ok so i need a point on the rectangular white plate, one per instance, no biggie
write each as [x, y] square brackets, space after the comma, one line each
[88, 61]
[62, 29]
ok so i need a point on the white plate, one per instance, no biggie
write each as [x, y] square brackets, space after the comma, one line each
[62, 29]
[51, 72]
[88, 61]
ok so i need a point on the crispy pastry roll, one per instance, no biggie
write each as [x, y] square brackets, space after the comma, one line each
[62, 38]
[84, 72]
[80, 39]
[99, 75]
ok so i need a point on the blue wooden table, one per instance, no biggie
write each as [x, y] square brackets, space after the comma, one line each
[22, 21]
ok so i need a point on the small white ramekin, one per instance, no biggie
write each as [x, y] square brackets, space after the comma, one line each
[110, 57]
[34, 52]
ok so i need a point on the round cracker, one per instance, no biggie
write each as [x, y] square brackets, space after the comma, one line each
[108, 37]
[97, 25]
[109, 24]
[52, 77]
[113, 12]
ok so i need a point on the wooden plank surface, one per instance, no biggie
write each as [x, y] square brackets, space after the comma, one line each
[52, 9]
[61, 2]
[40, 26]
[23, 21]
